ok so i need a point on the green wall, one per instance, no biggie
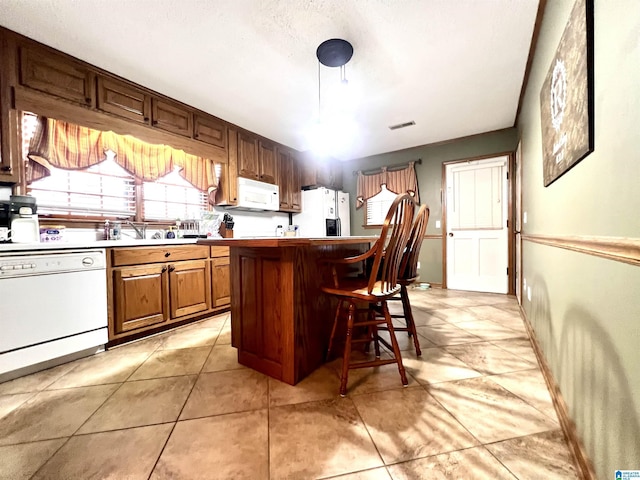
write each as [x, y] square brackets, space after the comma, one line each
[586, 310]
[429, 183]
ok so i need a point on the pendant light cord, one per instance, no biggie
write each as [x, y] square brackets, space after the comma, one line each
[319, 90]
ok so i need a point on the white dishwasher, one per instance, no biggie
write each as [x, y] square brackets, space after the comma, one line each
[53, 308]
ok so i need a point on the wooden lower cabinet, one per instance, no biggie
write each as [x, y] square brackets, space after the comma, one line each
[189, 288]
[148, 296]
[140, 297]
[220, 282]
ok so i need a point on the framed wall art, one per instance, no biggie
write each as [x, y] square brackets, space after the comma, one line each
[566, 98]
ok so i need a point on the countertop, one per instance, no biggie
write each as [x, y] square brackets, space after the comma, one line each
[129, 242]
[284, 241]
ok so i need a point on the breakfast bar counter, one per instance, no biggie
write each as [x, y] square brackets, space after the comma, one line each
[280, 320]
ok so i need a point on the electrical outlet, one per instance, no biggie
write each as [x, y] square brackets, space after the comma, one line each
[529, 293]
[437, 223]
[418, 265]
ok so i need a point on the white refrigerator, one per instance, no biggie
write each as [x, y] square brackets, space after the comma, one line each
[325, 212]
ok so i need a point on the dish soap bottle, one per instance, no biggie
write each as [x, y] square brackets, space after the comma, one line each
[279, 231]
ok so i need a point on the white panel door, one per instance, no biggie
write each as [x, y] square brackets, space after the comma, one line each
[477, 233]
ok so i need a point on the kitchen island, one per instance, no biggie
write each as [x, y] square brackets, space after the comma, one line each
[280, 319]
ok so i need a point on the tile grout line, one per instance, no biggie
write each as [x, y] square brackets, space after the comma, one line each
[175, 424]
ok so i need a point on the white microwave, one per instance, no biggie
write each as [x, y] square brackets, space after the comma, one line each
[254, 195]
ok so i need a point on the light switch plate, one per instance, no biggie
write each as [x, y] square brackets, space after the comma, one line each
[437, 223]
[524, 217]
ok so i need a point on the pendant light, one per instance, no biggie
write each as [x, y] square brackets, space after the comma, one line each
[333, 53]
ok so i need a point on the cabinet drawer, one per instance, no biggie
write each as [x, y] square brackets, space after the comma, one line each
[143, 255]
[219, 252]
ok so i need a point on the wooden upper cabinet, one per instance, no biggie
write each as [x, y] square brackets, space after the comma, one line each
[289, 182]
[210, 130]
[267, 162]
[248, 156]
[172, 117]
[321, 173]
[295, 186]
[55, 74]
[124, 100]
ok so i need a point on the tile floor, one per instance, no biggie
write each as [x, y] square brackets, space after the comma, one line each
[180, 406]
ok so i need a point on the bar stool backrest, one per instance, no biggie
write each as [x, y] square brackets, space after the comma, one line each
[409, 264]
[391, 244]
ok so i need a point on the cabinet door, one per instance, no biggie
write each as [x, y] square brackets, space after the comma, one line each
[221, 282]
[140, 296]
[55, 74]
[171, 117]
[10, 150]
[189, 287]
[248, 156]
[284, 179]
[295, 189]
[268, 163]
[210, 130]
[124, 100]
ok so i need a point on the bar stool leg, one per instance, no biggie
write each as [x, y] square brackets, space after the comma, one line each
[394, 343]
[335, 325]
[347, 350]
[408, 315]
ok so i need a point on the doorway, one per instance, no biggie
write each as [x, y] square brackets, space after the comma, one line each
[476, 225]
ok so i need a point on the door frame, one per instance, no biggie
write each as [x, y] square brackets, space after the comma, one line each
[510, 215]
[517, 236]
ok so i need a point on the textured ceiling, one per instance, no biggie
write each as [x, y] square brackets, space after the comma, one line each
[455, 67]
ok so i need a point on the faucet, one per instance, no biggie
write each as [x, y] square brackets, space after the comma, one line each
[140, 229]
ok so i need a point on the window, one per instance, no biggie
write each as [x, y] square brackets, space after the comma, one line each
[378, 206]
[103, 190]
[172, 197]
[107, 190]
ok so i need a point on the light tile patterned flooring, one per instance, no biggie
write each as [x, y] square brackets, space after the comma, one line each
[178, 405]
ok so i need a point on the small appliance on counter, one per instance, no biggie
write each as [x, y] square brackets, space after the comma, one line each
[19, 220]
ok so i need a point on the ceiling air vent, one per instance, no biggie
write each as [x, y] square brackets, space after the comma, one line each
[401, 125]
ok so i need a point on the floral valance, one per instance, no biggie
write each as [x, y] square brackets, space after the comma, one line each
[398, 181]
[73, 147]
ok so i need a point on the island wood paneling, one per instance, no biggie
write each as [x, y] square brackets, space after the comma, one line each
[280, 319]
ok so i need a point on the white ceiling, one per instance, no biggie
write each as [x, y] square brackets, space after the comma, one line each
[455, 67]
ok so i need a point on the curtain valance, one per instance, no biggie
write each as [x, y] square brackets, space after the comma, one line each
[397, 181]
[73, 147]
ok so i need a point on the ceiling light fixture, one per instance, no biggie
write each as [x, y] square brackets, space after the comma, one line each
[333, 53]
[329, 128]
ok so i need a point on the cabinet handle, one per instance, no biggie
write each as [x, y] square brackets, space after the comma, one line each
[146, 119]
[155, 122]
[6, 168]
[196, 136]
[164, 269]
[166, 254]
[87, 100]
[172, 268]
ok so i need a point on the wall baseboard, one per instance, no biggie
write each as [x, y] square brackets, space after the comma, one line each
[576, 448]
[621, 249]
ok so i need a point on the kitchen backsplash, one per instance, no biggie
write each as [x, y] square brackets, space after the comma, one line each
[255, 224]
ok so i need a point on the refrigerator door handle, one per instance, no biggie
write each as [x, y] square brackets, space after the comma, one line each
[339, 226]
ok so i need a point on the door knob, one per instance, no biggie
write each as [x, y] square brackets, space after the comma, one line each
[451, 234]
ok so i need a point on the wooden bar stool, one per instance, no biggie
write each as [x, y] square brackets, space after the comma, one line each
[408, 273]
[376, 288]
